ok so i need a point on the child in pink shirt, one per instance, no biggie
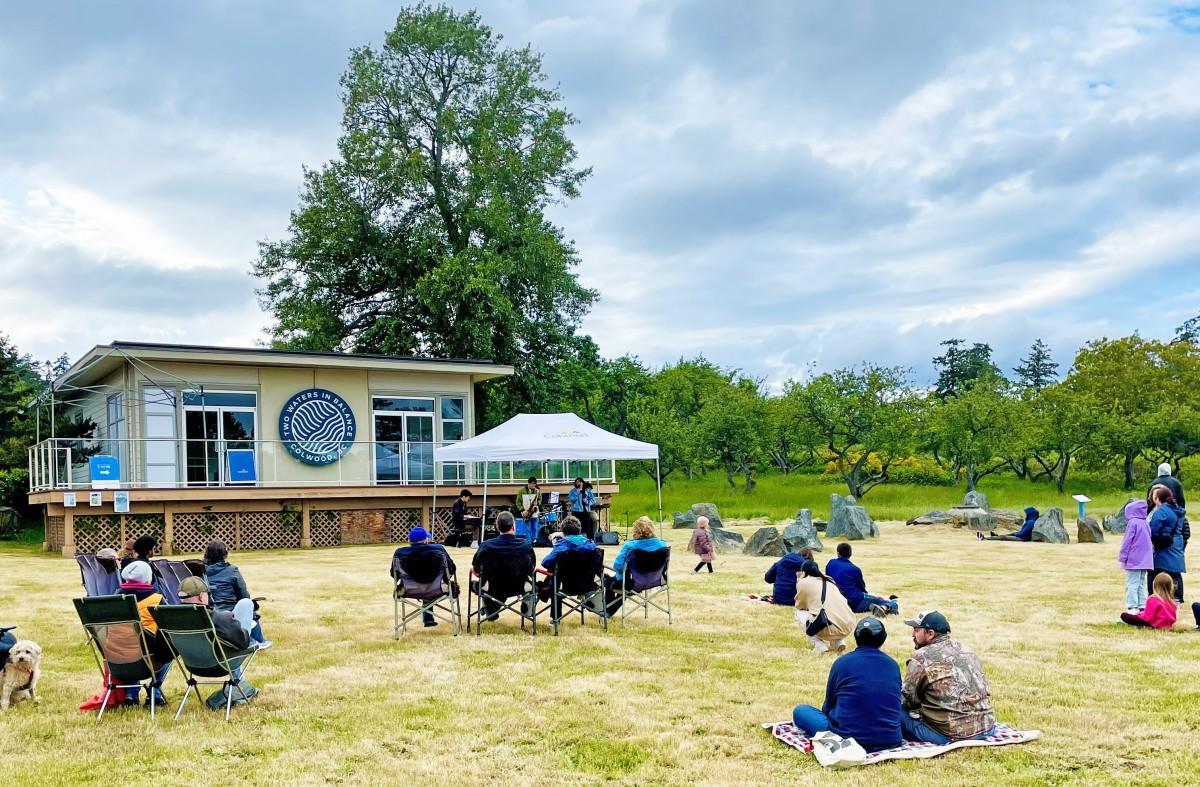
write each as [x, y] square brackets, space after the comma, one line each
[1160, 607]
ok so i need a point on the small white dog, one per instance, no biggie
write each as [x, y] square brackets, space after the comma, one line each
[21, 673]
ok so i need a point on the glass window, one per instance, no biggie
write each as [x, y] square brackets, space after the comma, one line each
[219, 399]
[116, 415]
[452, 430]
[452, 408]
[401, 404]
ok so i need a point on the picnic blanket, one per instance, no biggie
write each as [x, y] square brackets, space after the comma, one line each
[1004, 735]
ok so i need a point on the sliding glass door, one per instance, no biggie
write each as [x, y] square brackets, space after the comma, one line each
[215, 423]
[403, 439]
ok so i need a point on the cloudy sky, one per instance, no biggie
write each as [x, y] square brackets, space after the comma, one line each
[774, 184]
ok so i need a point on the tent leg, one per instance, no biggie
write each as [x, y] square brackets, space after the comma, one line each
[658, 485]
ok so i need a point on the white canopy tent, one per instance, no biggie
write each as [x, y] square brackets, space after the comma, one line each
[529, 437]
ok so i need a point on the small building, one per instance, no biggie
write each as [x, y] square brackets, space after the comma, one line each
[265, 448]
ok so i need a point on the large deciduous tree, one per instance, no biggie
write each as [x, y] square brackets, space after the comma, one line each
[977, 427]
[857, 414]
[427, 235]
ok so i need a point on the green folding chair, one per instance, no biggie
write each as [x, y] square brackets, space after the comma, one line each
[119, 644]
[202, 657]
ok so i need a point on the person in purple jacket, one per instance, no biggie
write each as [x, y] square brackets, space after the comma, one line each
[1136, 556]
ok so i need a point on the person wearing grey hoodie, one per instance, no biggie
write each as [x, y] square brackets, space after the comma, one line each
[1136, 555]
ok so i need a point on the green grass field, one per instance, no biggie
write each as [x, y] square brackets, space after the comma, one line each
[781, 496]
[647, 703]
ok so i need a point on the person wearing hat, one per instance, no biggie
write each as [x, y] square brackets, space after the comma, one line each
[1165, 478]
[137, 580]
[233, 629]
[944, 690]
[420, 543]
[862, 694]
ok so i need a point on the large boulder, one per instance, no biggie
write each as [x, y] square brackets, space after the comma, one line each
[726, 541]
[802, 533]
[766, 542]
[1089, 531]
[934, 517]
[709, 510]
[980, 520]
[684, 520]
[961, 517]
[1049, 528]
[975, 499]
[1007, 518]
[1115, 523]
[848, 520]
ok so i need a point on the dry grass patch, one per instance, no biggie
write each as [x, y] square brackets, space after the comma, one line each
[342, 702]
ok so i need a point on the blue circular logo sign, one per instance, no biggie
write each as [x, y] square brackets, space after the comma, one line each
[317, 426]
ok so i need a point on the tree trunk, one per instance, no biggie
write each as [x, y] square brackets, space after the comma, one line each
[1060, 479]
[729, 477]
[971, 477]
[1129, 470]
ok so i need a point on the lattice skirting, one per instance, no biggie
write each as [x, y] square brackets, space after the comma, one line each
[193, 531]
[55, 532]
[400, 521]
[325, 528]
[96, 531]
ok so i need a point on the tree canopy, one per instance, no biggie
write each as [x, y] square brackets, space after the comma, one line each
[427, 235]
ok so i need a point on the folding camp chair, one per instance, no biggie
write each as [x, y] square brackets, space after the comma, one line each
[170, 573]
[644, 580]
[425, 582]
[98, 580]
[200, 653]
[499, 580]
[577, 586]
[119, 644]
[7, 640]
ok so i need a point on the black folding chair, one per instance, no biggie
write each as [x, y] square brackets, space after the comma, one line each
[644, 580]
[119, 645]
[577, 585]
[498, 580]
[193, 639]
[98, 579]
[425, 582]
[168, 582]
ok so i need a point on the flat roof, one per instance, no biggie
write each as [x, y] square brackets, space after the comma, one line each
[103, 359]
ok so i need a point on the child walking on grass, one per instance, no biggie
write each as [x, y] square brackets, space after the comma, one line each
[1136, 556]
[1160, 607]
[701, 543]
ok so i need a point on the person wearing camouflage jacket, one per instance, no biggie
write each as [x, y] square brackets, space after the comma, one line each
[944, 687]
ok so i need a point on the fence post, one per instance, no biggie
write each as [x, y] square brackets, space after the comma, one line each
[305, 527]
[168, 531]
[68, 544]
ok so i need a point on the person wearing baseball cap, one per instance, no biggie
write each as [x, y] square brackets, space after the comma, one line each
[862, 694]
[944, 691]
[421, 544]
[233, 630]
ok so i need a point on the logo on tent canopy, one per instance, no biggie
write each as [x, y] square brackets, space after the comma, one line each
[564, 433]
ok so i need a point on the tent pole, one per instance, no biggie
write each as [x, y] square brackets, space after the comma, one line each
[483, 519]
[658, 485]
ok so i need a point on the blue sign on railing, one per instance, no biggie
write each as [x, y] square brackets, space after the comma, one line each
[104, 471]
[241, 466]
[317, 426]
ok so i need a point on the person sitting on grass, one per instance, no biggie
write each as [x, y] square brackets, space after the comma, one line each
[507, 547]
[702, 544]
[849, 579]
[226, 586]
[137, 581]
[782, 577]
[1026, 531]
[421, 543]
[644, 540]
[1160, 609]
[862, 694]
[944, 691]
[233, 627]
[816, 592]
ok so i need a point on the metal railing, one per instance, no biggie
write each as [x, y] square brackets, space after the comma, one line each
[63, 463]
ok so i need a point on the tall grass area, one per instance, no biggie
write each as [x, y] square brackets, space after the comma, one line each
[781, 496]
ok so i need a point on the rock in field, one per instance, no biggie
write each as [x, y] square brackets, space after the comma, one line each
[848, 520]
[684, 520]
[709, 510]
[1115, 523]
[726, 541]
[766, 542]
[1089, 531]
[1007, 518]
[934, 517]
[802, 533]
[1049, 528]
[975, 499]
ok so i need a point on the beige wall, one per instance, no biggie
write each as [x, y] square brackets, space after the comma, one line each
[276, 384]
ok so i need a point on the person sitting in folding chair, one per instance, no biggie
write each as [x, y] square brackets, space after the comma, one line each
[137, 581]
[226, 586]
[503, 568]
[579, 582]
[644, 542]
[233, 631]
[418, 565]
[119, 643]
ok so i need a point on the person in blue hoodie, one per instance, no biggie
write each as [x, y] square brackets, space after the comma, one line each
[782, 577]
[862, 694]
[1026, 531]
[573, 540]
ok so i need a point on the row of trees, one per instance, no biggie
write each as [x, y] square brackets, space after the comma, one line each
[1123, 401]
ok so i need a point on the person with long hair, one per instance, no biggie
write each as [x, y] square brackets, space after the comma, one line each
[815, 593]
[226, 586]
[580, 500]
[1160, 611]
[1168, 535]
